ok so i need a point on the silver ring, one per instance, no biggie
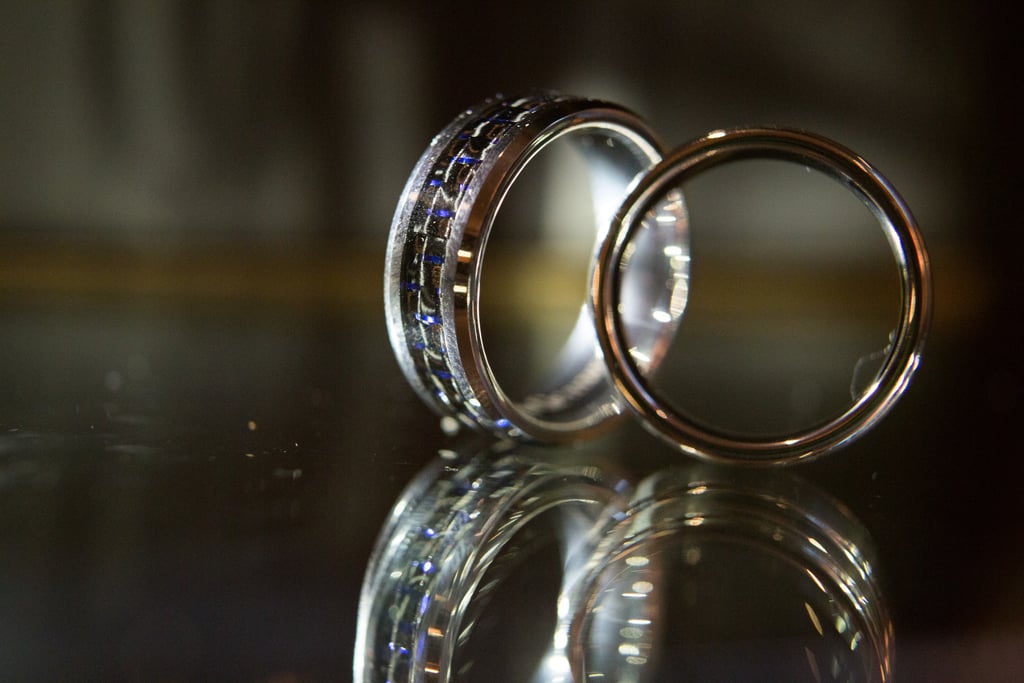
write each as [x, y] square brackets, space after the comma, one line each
[435, 251]
[904, 238]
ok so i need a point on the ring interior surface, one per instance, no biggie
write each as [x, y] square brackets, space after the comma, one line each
[435, 255]
[904, 238]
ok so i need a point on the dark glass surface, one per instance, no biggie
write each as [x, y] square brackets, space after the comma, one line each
[190, 491]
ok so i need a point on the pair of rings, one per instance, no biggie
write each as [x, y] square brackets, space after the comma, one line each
[443, 221]
[650, 570]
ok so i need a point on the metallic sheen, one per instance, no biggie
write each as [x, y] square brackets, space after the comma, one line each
[447, 531]
[435, 252]
[730, 555]
[903, 236]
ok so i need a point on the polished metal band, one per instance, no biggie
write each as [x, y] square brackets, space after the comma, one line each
[435, 251]
[903, 236]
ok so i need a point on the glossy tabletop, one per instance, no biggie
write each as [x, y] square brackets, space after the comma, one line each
[191, 485]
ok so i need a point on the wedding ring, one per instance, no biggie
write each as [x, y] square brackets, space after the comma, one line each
[903, 355]
[435, 252]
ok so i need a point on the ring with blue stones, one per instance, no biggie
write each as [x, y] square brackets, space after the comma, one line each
[435, 252]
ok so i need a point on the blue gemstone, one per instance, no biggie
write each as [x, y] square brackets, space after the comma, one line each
[426, 318]
[442, 213]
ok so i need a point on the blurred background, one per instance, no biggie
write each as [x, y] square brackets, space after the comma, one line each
[202, 423]
[155, 125]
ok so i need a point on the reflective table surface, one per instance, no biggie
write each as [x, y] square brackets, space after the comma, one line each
[192, 484]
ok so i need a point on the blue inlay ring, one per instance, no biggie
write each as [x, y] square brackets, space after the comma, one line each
[435, 251]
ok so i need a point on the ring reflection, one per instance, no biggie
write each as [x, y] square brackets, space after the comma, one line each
[733, 576]
[470, 525]
[510, 563]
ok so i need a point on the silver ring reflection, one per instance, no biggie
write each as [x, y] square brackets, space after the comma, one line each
[697, 573]
[436, 559]
[435, 254]
[834, 161]
[733, 574]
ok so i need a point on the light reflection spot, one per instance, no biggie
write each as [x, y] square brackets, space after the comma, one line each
[449, 425]
[817, 545]
[639, 356]
[815, 622]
